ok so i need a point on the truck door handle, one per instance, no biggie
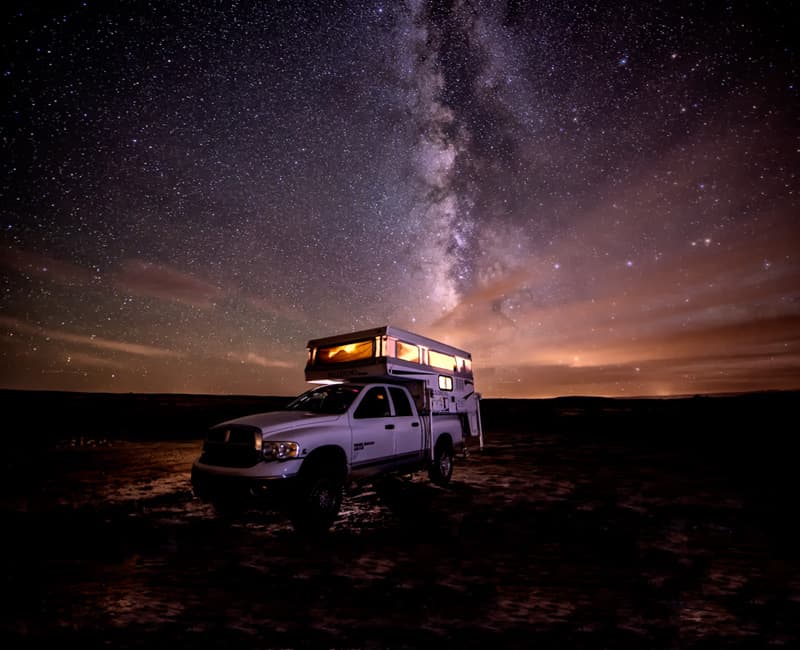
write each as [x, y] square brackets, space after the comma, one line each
[415, 424]
[390, 426]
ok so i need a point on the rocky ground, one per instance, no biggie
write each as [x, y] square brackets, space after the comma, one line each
[542, 539]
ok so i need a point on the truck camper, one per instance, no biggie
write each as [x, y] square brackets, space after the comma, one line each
[387, 401]
[438, 376]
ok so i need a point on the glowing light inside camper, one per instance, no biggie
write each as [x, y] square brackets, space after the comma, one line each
[345, 352]
[407, 351]
[439, 360]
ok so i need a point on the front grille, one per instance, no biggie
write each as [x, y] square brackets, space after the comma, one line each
[236, 435]
[232, 446]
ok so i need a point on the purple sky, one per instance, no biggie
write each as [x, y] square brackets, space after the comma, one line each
[591, 199]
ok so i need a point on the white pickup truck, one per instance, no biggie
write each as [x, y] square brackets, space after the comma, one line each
[389, 421]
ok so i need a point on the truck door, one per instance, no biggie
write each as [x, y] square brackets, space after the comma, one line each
[372, 425]
[407, 426]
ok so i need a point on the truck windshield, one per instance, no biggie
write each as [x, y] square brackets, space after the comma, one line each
[331, 400]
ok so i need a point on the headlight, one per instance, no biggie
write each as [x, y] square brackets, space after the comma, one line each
[272, 450]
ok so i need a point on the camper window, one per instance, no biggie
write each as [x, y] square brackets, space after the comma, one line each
[445, 382]
[344, 353]
[407, 351]
[444, 361]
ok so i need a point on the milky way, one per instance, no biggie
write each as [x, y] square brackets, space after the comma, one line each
[592, 199]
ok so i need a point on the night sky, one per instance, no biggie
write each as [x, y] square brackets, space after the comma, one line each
[592, 198]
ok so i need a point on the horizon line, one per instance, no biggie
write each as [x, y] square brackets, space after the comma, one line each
[291, 396]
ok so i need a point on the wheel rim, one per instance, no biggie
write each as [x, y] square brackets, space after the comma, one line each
[445, 464]
[326, 497]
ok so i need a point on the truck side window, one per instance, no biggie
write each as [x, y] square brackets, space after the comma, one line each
[375, 404]
[402, 407]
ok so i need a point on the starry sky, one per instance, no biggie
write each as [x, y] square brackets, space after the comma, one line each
[591, 198]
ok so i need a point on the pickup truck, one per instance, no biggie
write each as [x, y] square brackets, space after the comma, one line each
[320, 442]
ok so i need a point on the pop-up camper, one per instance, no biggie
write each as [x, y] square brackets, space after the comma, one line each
[439, 376]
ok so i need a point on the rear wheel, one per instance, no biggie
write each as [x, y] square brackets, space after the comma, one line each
[442, 468]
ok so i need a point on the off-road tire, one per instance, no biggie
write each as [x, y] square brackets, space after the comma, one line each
[316, 502]
[441, 469]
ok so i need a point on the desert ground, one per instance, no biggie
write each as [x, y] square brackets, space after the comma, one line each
[582, 523]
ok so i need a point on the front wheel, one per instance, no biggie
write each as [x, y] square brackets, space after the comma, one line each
[317, 503]
[442, 468]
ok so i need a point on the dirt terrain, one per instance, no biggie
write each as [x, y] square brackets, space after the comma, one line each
[553, 537]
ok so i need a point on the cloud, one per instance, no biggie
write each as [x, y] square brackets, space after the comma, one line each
[258, 360]
[82, 359]
[684, 375]
[702, 318]
[159, 281]
[82, 339]
[136, 276]
[43, 266]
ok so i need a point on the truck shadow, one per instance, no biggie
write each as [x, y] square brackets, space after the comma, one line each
[411, 502]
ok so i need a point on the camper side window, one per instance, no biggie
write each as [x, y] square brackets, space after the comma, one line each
[407, 351]
[445, 382]
[344, 353]
[375, 404]
[402, 407]
[444, 361]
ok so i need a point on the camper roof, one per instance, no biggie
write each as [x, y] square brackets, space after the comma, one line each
[389, 330]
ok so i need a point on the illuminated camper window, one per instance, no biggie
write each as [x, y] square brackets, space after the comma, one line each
[344, 353]
[445, 383]
[407, 351]
[439, 360]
